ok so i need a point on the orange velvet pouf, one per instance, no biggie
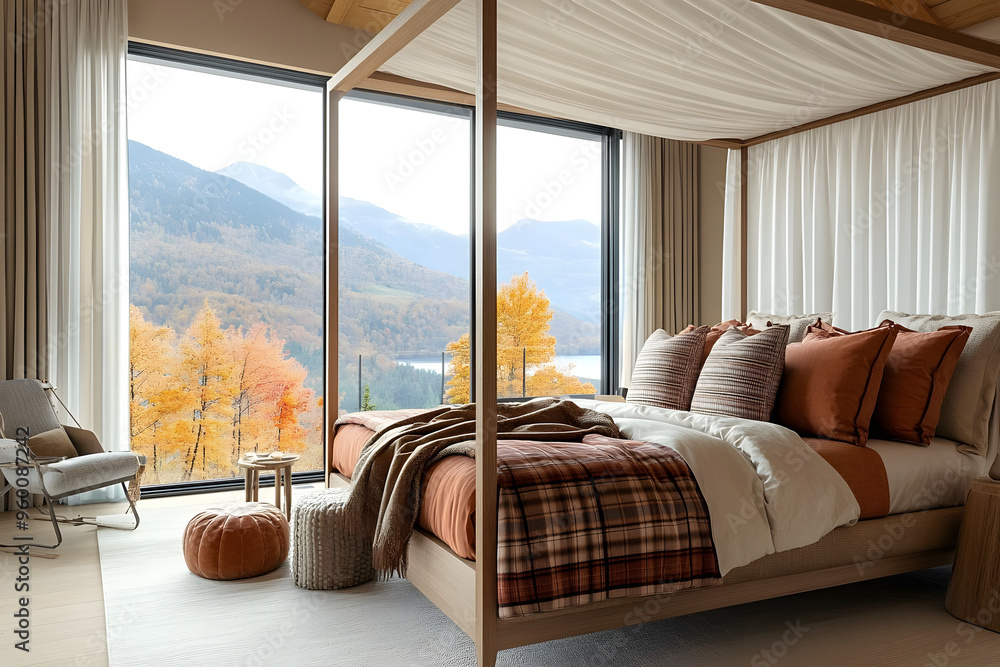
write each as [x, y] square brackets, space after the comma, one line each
[236, 541]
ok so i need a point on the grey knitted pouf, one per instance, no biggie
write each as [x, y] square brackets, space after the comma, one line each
[324, 554]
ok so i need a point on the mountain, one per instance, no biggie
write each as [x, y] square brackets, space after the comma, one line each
[562, 257]
[426, 245]
[275, 185]
[199, 236]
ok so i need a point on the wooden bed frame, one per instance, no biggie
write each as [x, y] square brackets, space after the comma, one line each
[466, 591]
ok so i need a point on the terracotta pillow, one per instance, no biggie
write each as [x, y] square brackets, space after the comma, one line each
[666, 371]
[831, 382]
[740, 378]
[965, 412]
[915, 381]
[715, 333]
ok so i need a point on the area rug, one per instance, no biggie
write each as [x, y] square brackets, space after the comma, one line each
[159, 613]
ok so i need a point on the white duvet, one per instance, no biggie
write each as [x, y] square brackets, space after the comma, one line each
[766, 490]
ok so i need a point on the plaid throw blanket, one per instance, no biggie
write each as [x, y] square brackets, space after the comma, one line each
[607, 518]
[580, 521]
[385, 488]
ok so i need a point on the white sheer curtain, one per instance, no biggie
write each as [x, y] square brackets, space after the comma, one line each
[88, 304]
[895, 210]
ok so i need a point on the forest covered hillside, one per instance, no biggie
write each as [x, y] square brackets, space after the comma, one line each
[199, 236]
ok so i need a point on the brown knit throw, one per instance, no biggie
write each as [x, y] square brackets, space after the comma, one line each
[385, 489]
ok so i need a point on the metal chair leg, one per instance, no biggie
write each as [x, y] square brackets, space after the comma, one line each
[92, 521]
[32, 543]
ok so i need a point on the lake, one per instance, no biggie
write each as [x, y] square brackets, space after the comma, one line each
[586, 366]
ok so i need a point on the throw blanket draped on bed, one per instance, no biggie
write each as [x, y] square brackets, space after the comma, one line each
[584, 517]
[385, 488]
[606, 518]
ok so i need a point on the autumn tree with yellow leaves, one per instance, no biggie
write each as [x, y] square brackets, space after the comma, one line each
[199, 402]
[524, 315]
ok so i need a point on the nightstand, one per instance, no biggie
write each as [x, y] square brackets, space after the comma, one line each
[974, 589]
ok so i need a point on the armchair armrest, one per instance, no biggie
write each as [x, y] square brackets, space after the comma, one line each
[84, 441]
[8, 451]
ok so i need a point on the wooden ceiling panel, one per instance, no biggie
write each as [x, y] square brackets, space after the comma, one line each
[319, 7]
[960, 14]
[915, 9]
[374, 15]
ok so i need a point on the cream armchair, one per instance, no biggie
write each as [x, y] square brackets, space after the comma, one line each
[63, 460]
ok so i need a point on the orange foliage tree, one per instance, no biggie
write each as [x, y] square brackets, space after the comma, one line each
[153, 398]
[524, 346]
[198, 403]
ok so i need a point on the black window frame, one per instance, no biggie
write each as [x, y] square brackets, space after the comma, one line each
[209, 64]
[610, 214]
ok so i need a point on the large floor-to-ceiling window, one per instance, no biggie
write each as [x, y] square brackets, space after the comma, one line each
[405, 296]
[226, 183]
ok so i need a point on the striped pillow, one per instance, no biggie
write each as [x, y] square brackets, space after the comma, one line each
[740, 378]
[666, 370]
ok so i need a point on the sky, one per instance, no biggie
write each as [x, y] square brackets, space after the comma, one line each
[413, 163]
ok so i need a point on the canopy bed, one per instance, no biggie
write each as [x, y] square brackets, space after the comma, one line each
[697, 71]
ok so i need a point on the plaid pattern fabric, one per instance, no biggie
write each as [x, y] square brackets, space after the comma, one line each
[602, 519]
[741, 375]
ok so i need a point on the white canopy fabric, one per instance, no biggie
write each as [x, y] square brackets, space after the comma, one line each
[683, 69]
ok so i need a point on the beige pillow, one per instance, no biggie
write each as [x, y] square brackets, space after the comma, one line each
[797, 324]
[666, 371]
[965, 412]
[52, 443]
[741, 376]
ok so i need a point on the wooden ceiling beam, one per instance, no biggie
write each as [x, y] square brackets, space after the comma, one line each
[873, 108]
[338, 11]
[416, 18]
[961, 14]
[915, 9]
[862, 17]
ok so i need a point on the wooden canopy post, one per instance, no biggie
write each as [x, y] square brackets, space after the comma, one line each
[331, 404]
[487, 610]
[744, 224]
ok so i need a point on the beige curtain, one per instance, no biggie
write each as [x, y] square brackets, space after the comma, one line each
[660, 182]
[25, 187]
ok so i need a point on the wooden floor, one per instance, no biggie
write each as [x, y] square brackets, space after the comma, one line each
[66, 597]
[68, 624]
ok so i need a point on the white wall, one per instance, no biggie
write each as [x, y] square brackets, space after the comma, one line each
[272, 32]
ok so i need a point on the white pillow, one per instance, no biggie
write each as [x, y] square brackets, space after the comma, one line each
[797, 324]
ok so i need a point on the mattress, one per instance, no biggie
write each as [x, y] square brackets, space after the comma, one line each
[886, 478]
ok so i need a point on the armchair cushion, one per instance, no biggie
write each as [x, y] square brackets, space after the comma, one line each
[84, 441]
[84, 472]
[52, 443]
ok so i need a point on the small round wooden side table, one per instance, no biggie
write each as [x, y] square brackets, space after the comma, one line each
[282, 469]
[974, 589]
